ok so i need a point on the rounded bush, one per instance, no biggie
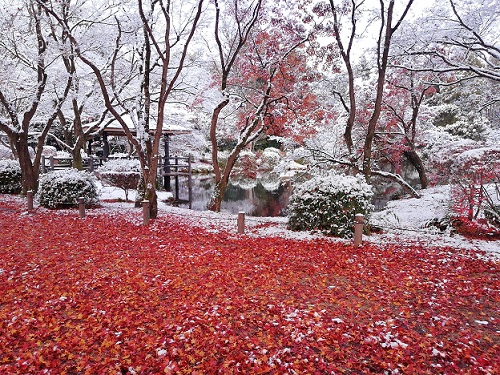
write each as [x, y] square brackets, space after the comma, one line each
[122, 173]
[10, 177]
[64, 187]
[329, 204]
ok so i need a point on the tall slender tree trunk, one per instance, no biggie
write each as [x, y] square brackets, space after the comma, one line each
[220, 184]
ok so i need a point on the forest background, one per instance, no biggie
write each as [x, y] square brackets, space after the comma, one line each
[389, 89]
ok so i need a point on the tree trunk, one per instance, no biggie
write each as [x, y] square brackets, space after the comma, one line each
[416, 161]
[28, 171]
[79, 135]
[217, 195]
[222, 182]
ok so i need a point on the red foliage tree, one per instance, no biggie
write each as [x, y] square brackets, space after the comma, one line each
[264, 80]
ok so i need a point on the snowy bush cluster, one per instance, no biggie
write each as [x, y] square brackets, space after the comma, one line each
[465, 125]
[269, 159]
[64, 187]
[122, 173]
[329, 204]
[5, 152]
[120, 166]
[10, 177]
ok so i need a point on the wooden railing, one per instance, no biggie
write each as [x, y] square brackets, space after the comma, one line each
[54, 163]
[176, 167]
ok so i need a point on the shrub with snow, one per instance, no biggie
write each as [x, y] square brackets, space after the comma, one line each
[472, 171]
[5, 152]
[10, 177]
[122, 173]
[454, 121]
[49, 151]
[269, 159]
[329, 204]
[64, 187]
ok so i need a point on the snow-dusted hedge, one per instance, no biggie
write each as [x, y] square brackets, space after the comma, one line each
[270, 159]
[329, 204]
[10, 177]
[64, 187]
[5, 153]
[122, 173]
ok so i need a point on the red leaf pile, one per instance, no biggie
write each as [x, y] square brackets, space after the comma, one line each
[102, 295]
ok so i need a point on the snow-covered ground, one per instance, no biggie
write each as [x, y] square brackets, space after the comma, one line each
[402, 221]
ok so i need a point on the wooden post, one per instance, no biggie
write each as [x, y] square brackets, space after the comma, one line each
[29, 195]
[42, 165]
[166, 165]
[51, 163]
[91, 164]
[81, 207]
[358, 229]
[241, 222]
[190, 183]
[145, 213]
[176, 178]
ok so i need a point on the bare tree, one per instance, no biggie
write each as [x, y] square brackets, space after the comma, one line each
[228, 51]
[44, 99]
[387, 29]
[167, 29]
[346, 30]
[459, 37]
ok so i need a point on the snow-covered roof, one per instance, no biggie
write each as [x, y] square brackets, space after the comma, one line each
[113, 127]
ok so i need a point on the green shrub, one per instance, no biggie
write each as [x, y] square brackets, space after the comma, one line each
[64, 187]
[10, 177]
[329, 204]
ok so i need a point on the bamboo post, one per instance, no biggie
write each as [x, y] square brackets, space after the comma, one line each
[29, 195]
[81, 207]
[241, 222]
[358, 229]
[145, 213]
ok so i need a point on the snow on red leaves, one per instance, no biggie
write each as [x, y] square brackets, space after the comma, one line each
[102, 295]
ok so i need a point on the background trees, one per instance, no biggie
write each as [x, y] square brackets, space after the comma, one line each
[141, 72]
[262, 77]
[382, 89]
[33, 87]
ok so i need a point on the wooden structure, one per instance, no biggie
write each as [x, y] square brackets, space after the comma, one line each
[177, 167]
[168, 166]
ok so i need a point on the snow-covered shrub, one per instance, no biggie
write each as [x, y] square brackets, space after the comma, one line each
[6, 153]
[454, 121]
[246, 165]
[64, 187]
[49, 151]
[269, 159]
[471, 172]
[122, 173]
[10, 177]
[329, 204]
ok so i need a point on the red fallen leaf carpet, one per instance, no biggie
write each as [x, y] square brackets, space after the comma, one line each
[102, 295]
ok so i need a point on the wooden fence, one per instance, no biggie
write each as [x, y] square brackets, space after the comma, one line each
[176, 167]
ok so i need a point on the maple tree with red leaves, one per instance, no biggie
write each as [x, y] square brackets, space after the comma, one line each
[264, 81]
[173, 298]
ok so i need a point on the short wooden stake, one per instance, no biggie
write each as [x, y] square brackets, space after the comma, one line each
[145, 213]
[29, 195]
[241, 222]
[358, 229]
[81, 207]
